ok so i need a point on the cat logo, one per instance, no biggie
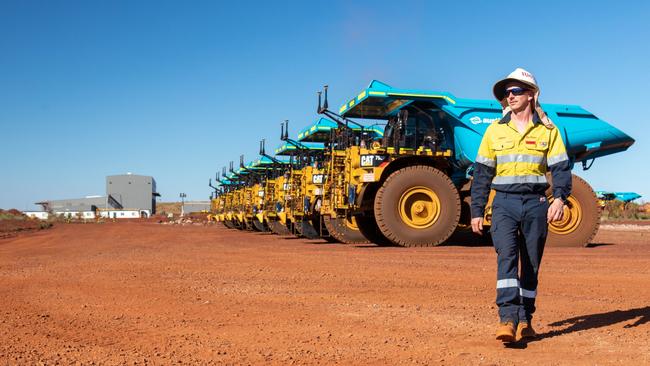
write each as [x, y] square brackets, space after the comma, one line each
[317, 179]
[368, 161]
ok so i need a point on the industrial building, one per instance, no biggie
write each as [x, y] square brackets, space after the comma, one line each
[127, 196]
[72, 207]
[131, 191]
[37, 214]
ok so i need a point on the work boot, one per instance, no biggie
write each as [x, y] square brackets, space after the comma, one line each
[525, 331]
[506, 332]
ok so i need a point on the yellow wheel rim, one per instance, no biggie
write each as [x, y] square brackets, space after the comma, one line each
[351, 223]
[571, 218]
[419, 207]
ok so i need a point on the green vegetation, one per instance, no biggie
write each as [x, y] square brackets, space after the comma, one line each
[618, 210]
[11, 215]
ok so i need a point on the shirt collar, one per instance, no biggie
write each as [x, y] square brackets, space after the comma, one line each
[506, 118]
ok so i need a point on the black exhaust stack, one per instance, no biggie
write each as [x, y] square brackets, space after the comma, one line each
[319, 110]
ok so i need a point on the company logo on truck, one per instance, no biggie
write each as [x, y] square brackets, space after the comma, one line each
[371, 160]
[317, 178]
[477, 120]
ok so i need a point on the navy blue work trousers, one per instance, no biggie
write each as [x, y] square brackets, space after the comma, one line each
[519, 230]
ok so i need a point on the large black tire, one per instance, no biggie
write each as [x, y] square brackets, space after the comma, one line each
[317, 221]
[340, 229]
[370, 230]
[291, 225]
[279, 228]
[228, 224]
[402, 192]
[248, 224]
[259, 226]
[239, 225]
[580, 227]
[305, 229]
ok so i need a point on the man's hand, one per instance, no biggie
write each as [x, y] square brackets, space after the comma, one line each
[477, 225]
[555, 211]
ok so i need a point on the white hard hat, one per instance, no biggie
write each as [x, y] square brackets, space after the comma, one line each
[519, 75]
[526, 78]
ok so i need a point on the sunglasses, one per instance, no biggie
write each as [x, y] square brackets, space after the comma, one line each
[515, 91]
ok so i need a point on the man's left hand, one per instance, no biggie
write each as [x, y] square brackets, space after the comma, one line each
[555, 211]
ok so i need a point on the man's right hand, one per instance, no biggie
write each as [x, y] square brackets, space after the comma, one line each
[477, 225]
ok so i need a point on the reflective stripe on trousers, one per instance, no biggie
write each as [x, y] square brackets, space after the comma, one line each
[514, 282]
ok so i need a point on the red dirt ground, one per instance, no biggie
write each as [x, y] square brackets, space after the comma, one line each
[144, 293]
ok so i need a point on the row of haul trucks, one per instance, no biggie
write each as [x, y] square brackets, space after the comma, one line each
[394, 167]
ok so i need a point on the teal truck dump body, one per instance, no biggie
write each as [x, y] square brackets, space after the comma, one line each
[586, 136]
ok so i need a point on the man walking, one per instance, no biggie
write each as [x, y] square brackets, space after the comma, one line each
[513, 159]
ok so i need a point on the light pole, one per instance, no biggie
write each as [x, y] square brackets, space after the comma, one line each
[183, 195]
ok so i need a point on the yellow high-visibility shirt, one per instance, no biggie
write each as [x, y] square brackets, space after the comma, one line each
[509, 161]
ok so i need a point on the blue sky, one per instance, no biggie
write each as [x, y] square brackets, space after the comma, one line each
[177, 89]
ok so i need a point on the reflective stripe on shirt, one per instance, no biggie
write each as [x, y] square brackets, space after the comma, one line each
[557, 159]
[520, 158]
[486, 161]
[517, 179]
